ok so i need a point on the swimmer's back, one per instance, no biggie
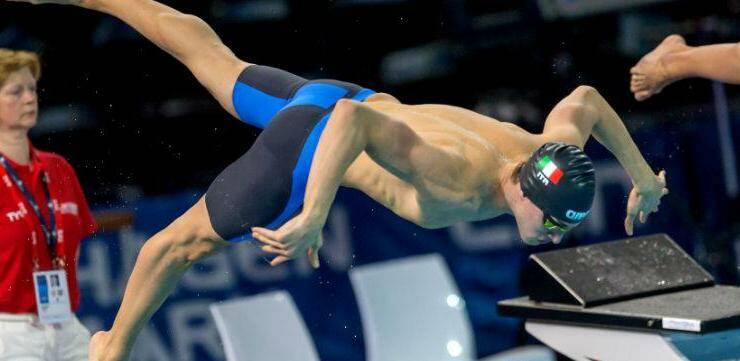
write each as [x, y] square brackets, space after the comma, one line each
[443, 124]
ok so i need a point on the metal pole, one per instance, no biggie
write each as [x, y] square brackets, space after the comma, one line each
[727, 148]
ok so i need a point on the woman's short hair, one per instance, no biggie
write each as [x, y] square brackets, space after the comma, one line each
[14, 60]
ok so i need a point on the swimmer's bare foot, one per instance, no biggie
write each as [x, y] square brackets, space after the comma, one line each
[650, 75]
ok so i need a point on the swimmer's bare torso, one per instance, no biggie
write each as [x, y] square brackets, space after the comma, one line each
[439, 200]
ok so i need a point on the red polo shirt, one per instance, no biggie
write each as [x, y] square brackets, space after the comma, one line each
[18, 221]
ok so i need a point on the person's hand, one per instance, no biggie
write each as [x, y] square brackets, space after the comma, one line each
[101, 350]
[643, 200]
[60, 2]
[292, 239]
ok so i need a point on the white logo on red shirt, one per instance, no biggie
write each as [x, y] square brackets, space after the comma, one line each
[69, 208]
[17, 215]
[64, 208]
[7, 181]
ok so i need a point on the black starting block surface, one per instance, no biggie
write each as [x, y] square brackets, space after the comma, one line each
[645, 282]
[700, 310]
[612, 271]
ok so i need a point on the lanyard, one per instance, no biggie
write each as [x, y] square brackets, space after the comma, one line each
[50, 229]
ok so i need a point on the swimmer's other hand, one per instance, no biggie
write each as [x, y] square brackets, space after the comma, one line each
[644, 199]
[291, 240]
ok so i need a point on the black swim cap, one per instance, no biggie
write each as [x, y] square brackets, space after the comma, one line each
[559, 179]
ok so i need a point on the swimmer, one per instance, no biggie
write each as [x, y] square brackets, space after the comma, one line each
[673, 60]
[433, 165]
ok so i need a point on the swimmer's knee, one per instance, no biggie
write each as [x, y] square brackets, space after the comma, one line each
[188, 240]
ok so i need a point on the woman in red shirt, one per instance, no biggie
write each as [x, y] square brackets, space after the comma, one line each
[43, 218]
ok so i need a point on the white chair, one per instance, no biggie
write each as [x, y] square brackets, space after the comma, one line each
[412, 310]
[525, 353]
[256, 328]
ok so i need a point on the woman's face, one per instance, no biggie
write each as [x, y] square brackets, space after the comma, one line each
[18, 101]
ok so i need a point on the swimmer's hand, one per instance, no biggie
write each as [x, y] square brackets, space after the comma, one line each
[100, 349]
[643, 200]
[291, 240]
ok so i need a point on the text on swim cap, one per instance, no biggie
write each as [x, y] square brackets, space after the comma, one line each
[575, 216]
[543, 179]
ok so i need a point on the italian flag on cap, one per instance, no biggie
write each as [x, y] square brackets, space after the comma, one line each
[551, 171]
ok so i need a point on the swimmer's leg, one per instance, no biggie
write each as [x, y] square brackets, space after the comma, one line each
[252, 93]
[161, 263]
[186, 37]
[673, 60]
[720, 62]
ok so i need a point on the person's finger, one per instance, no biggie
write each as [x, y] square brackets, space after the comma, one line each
[265, 232]
[271, 249]
[643, 217]
[642, 95]
[267, 240]
[278, 260]
[313, 257]
[276, 235]
[661, 175]
[665, 191]
[629, 223]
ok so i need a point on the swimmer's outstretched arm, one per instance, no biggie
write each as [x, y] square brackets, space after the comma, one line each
[186, 37]
[586, 113]
[353, 128]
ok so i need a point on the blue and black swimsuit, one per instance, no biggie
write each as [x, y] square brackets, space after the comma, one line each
[265, 186]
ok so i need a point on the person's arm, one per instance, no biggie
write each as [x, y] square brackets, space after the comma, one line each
[355, 127]
[186, 37]
[586, 113]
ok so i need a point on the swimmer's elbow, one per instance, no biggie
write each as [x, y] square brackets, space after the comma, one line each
[587, 100]
[352, 114]
[585, 90]
[347, 108]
